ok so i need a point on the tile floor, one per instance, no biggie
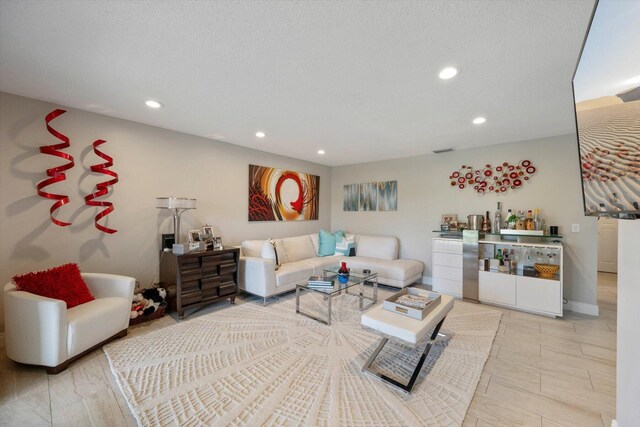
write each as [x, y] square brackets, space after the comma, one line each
[541, 372]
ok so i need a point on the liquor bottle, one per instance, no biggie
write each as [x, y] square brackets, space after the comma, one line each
[511, 220]
[499, 255]
[536, 219]
[520, 221]
[528, 222]
[514, 262]
[486, 224]
[497, 219]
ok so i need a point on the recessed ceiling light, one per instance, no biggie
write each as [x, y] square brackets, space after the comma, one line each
[479, 120]
[321, 152]
[448, 73]
[260, 134]
[153, 104]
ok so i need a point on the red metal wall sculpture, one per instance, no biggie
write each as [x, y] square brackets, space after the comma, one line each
[102, 187]
[493, 180]
[56, 174]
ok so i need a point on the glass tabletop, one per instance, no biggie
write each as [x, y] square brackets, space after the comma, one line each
[356, 277]
[356, 273]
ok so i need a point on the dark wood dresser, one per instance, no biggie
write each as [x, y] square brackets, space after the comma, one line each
[202, 277]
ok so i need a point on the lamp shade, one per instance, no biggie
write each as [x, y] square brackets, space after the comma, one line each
[175, 203]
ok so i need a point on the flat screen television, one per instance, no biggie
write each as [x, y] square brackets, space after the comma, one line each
[606, 92]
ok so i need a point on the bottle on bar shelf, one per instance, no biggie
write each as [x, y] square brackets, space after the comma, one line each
[497, 219]
[486, 223]
[511, 220]
[528, 222]
[520, 222]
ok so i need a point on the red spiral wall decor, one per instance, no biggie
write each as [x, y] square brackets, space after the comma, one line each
[56, 174]
[490, 179]
[102, 187]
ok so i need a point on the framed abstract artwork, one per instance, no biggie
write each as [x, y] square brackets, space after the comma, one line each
[282, 195]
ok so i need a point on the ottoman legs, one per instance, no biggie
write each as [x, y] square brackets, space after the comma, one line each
[409, 386]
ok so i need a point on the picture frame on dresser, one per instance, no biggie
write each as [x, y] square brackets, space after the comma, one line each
[194, 236]
[217, 243]
[207, 232]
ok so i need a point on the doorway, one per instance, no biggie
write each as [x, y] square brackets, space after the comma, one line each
[608, 245]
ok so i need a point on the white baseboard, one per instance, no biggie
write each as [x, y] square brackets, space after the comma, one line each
[614, 423]
[581, 307]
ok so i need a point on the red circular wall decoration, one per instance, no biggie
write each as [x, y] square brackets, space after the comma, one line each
[496, 180]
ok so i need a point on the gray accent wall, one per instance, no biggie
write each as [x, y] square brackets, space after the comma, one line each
[424, 193]
[151, 162]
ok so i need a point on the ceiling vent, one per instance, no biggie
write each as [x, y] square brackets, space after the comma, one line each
[445, 150]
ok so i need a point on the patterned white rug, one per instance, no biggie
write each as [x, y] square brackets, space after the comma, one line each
[253, 365]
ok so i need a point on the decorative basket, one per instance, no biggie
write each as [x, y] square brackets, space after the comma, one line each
[546, 271]
[160, 312]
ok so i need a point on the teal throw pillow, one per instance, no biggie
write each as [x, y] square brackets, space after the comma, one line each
[327, 242]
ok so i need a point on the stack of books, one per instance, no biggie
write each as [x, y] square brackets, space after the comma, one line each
[320, 282]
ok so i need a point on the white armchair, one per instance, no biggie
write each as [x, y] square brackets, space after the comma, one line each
[41, 331]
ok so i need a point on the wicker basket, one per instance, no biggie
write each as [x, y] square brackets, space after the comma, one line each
[160, 312]
[546, 271]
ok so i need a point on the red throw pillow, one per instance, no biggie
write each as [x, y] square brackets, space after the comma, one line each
[64, 283]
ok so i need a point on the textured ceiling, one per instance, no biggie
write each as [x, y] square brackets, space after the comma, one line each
[357, 79]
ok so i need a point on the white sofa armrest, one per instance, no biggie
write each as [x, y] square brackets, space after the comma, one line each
[104, 285]
[35, 328]
[257, 276]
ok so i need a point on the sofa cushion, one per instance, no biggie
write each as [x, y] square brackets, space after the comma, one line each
[252, 248]
[94, 322]
[320, 263]
[328, 241]
[377, 247]
[292, 273]
[397, 269]
[297, 248]
[62, 283]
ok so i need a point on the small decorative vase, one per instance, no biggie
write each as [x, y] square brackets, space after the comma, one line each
[343, 273]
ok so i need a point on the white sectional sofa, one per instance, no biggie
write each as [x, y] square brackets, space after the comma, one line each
[298, 258]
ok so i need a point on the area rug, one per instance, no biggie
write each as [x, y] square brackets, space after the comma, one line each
[254, 365]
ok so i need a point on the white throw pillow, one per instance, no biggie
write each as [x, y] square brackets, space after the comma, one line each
[269, 251]
[344, 246]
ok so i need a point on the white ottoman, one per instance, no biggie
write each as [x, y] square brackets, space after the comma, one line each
[406, 329]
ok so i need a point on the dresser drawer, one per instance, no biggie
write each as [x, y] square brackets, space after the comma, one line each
[447, 260]
[447, 286]
[448, 246]
[444, 272]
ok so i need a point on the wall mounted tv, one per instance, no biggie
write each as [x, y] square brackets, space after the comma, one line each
[606, 91]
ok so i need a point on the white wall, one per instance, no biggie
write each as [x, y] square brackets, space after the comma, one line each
[424, 193]
[628, 356]
[151, 162]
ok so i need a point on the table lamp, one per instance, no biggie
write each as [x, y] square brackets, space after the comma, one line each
[176, 205]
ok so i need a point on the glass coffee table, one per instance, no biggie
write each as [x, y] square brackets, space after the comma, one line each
[357, 281]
